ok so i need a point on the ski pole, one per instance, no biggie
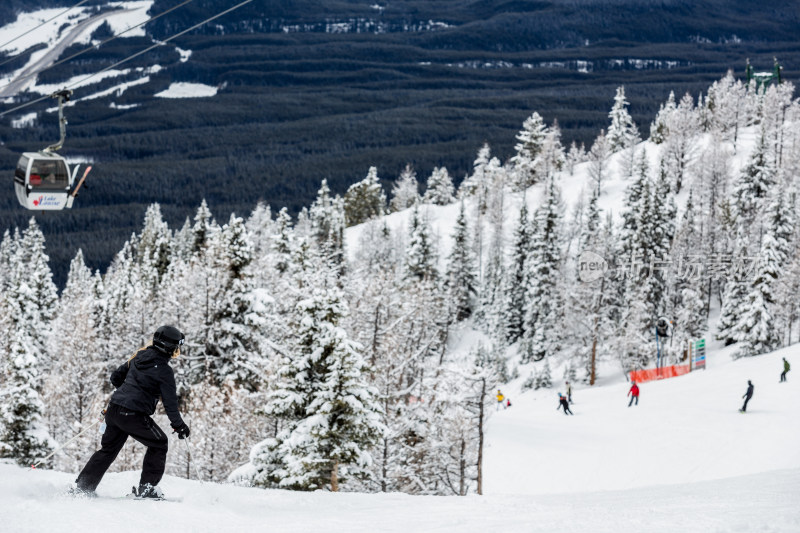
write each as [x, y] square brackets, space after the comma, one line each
[189, 453]
[90, 426]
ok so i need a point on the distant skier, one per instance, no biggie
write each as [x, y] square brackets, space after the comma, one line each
[563, 402]
[633, 393]
[747, 396]
[500, 399]
[569, 392]
[786, 368]
[140, 382]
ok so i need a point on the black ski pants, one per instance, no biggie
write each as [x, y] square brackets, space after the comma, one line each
[121, 423]
[783, 375]
[632, 399]
[746, 399]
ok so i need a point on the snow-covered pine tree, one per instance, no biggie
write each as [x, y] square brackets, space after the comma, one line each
[679, 144]
[237, 347]
[23, 436]
[755, 330]
[405, 191]
[589, 304]
[330, 417]
[492, 292]
[461, 279]
[471, 185]
[326, 217]
[648, 230]
[754, 182]
[622, 132]
[204, 227]
[735, 292]
[439, 189]
[543, 309]
[659, 128]
[552, 158]
[364, 200]
[723, 106]
[153, 250]
[575, 155]
[31, 268]
[598, 161]
[528, 152]
[544, 379]
[485, 372]
[124, 320]
[421, 255]
[75, 382]
[485, 180]
[786, 298]
[517, 277]
[713, 176]
[259, 227]
[688, 283]
[182, 242]
[281, 247]
[28, 305]
[377, 312]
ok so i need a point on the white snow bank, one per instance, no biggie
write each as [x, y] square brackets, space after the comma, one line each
[187, 90]
[32, 501]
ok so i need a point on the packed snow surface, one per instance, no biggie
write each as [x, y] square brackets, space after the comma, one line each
[684, 460]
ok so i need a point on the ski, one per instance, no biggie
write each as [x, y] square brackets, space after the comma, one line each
[136, 498]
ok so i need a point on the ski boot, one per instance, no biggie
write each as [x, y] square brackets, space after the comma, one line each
[148, 491]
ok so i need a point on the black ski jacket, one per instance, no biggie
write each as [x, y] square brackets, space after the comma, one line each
[749, 392]
[140, 382]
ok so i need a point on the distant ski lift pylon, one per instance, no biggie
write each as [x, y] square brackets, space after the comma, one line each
[42, 179]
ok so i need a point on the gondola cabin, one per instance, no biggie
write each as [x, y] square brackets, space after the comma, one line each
[43, 181]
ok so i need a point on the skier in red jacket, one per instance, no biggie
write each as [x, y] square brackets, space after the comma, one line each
[633, 393]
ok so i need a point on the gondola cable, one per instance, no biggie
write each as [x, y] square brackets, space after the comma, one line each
[137, 54]
[88, 48]
[36, 28]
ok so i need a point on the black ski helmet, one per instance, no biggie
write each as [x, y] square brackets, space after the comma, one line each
[167, 339]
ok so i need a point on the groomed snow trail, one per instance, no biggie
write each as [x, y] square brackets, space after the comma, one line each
[683, 460]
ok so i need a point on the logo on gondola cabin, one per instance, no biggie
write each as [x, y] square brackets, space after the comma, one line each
[38, 201]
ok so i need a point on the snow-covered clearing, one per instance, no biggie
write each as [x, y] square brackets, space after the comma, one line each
[24, 121]
[187, 90]
[683, 460]
[130, 14]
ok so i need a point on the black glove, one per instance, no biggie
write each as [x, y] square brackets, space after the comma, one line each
[182, 430]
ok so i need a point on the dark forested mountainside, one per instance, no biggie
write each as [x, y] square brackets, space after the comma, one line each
[311, 90]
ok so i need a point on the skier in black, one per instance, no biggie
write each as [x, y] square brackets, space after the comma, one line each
[747, 396]
[139, 383]
[563, 402]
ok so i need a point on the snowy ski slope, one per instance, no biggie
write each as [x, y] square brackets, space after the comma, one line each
[684, 460]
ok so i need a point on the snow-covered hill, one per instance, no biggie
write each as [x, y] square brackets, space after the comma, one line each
[58, 34]
[684, 460]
